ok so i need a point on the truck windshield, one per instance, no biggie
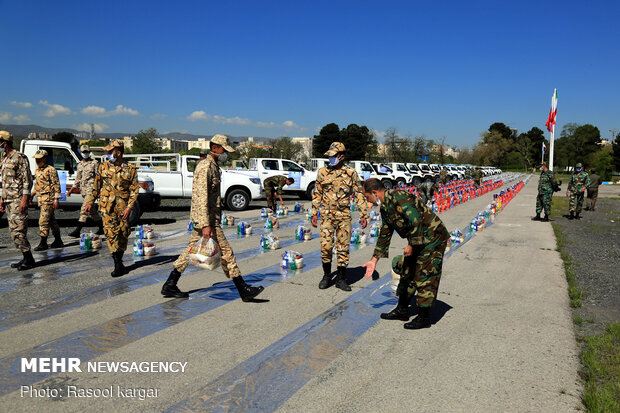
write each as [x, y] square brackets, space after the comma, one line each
[424, 167]
[291, 167]
[366, 167]
[412, 167]
[61, 159]
[401, 168]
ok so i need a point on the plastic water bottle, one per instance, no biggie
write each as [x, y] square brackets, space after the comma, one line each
[82, 242]
[285, 261]
[140, 249]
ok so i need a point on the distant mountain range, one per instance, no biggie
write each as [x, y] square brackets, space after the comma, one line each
[24, 130]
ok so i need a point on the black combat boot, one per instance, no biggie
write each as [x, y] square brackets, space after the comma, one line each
[17, 264]
[546, 218]
[537, 217]
[119, 268]
[327, 275]
[423, 320]
[170, 289]
[57, 241]
[27, 262]
[341, 279]
[401, 311]
[100, 228]
[77, 231]
[571, 215]
[246, 292]
[577, 215]
[42, 245]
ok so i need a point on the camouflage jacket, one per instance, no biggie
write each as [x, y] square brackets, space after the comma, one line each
[443, 176]
[47, 185]
[547, 182]
[427, 189]
[410, 218]
[578, 180]
[333, 191]
[595, 181]
[206, 210]
[477, 176]
[114, 184]
[16, 176]
[276, 183]
[85, 176]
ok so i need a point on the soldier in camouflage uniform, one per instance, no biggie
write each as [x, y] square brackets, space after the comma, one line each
[577, 185]
[334, 187]
[423, 257]
[546, 185]
[273, 185]
[477, 176]
[16, 186]
[84, 181]
[116, 187]
[47, 191]
[443, 176]
[426, 190]
[595, 181]
[468, 174]
[206, 215]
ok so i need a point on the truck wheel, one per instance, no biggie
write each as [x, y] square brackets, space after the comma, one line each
[309, 191]
[417, 181]
[387, 184]
[237, 200]
[401, 182]
[135, 214]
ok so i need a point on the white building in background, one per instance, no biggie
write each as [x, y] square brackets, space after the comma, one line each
[306, 144]
[200, 143]
[128, 142]
[450, 151]
[172, 145]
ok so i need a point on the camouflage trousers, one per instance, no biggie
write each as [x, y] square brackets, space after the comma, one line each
[47, 220]
[229, 263]
[592, 197]
[115, 228]
[93, 213]
[340, 228]
[18, 225]
[270, 194]
[575, 202]
[422, 272]
[543, 202]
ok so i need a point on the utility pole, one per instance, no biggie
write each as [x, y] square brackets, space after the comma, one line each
[613, 134]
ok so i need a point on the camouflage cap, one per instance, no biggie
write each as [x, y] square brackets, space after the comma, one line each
[116, 143]
[6, 136]
[84, 148]
[223, 141]
[398, 264]
[543, 163]
[579, 165]
[40, 154]
[334, 148]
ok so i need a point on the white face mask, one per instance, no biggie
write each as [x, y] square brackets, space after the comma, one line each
[111, 158]
[333, 160]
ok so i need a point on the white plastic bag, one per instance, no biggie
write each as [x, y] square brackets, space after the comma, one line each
[205, 254]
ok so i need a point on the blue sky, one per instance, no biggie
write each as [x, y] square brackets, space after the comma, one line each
[284, 68]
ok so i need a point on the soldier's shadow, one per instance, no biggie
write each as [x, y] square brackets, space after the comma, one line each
[357, 273]
[156, 260]
[439, 310]
[66, 258]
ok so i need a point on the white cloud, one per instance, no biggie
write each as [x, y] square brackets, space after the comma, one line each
[100, 112]
[236, 120]
[21, 104]
[54, 109]
[5, 117]
[198, 115]
[99, 127]
[158, 116]
[21, 119]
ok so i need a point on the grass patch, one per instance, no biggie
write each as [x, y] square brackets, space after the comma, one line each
[574, 292]
[577, 320]
[601, 373]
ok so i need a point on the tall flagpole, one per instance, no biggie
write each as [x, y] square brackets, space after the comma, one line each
[555, 93]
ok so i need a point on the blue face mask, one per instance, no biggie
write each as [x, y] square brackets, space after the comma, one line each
[111, 158]
[578, 169]
[333, 160]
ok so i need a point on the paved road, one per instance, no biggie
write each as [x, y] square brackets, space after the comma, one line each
[502, 338]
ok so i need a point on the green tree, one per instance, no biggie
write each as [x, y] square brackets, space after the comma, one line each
[420, 148]
[359, 141]
[525, 147]
[285, 148]
[96, 142]
[603, 161]
[328, 134]
[536, 137]
[492, 149]
[67, 137]
[145, 142]
[504, 130]
[616, 152]
[194, 151]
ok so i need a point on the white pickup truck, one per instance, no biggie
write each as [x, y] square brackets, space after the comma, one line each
[305, 180]
[62, 157]
[173, 175]
[366, 171]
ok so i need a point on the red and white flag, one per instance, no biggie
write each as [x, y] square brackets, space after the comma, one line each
[544, 149]
[553, 112]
